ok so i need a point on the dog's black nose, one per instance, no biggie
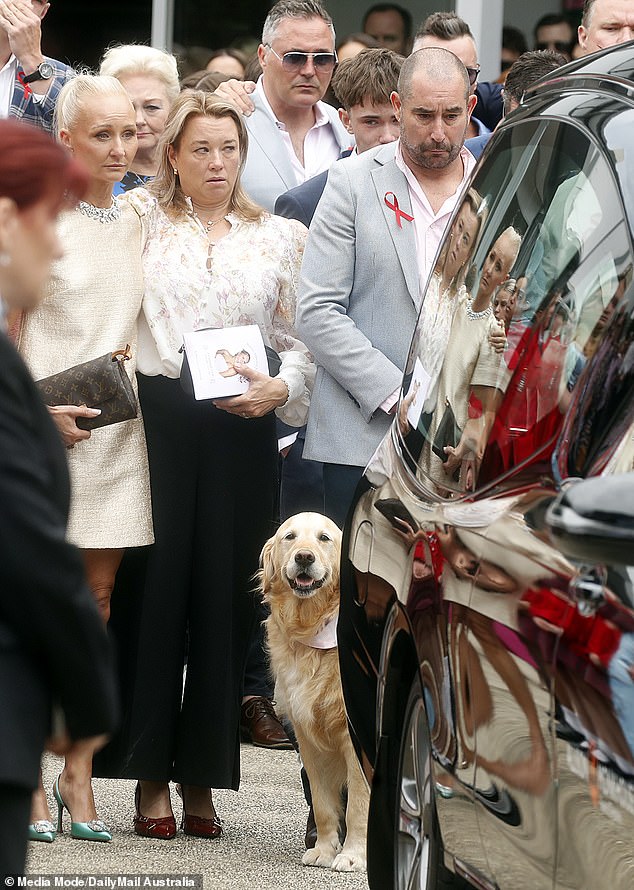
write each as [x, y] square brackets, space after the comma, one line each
[304, 558]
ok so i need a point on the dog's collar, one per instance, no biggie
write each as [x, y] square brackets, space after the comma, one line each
[326, 638]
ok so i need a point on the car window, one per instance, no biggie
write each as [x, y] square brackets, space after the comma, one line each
[529, 275]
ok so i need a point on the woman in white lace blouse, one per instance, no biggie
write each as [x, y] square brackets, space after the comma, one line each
[212, 259]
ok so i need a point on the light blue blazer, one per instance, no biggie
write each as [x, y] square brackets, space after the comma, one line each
[358, 301]
[268, 172]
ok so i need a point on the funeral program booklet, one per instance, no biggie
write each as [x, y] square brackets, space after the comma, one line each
[216, 357]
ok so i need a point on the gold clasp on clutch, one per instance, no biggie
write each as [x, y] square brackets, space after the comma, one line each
[122, 355]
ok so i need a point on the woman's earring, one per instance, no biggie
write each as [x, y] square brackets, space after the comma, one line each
[175, 172]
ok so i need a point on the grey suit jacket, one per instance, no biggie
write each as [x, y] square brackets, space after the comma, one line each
[268, 171]
[301, 202]
[358, 302]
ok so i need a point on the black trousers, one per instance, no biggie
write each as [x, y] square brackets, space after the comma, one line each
[340, 483]
[15, 809]
[302, 481]
[214, 479]
[301, 490]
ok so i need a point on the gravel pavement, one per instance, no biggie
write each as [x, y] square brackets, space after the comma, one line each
[260, 848]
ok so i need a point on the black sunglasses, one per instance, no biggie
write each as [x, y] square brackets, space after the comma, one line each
[473, 74]
[560, 46]
[295, 61]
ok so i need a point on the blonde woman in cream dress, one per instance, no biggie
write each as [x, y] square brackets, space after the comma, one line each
[91, 309]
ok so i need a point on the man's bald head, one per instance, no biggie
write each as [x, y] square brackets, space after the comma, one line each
[434, 64]
[433, 106]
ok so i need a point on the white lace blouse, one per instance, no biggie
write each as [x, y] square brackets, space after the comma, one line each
[252, 279]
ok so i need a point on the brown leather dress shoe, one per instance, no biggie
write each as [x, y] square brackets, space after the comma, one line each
[260, 725]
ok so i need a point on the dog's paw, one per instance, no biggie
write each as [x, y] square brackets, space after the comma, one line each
[320, 856]
[349, 860]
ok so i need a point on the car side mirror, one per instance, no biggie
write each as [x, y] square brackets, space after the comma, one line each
[593, 520]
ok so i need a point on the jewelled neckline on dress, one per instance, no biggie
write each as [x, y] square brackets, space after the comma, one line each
[475, 315]
[101, 214]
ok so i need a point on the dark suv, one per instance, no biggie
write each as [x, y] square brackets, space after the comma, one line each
[486, 633]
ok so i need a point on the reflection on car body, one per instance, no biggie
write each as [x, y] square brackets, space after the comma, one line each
[488, 663]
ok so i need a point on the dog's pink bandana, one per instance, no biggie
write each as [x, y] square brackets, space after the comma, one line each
[326, 638]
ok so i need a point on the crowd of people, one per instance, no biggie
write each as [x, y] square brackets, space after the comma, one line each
[159, 208]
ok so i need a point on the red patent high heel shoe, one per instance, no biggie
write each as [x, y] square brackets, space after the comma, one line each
[160, 827]
[199, 826]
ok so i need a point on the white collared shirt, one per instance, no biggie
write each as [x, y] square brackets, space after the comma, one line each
[7, 85]
[429, 227]
[321, 148]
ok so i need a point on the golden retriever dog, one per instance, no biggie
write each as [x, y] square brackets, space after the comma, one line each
[300, 582]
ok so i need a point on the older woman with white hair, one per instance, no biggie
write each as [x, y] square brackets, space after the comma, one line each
[90, 309]
[150, 77]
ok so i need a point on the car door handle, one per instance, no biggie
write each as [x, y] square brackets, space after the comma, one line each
[587, 589]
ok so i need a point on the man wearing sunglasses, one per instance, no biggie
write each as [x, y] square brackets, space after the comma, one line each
[555, 33]
[363, 86]
[527, 70]
[293, 135]
[448, 31]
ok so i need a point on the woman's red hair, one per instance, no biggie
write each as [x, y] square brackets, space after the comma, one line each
[34, 168]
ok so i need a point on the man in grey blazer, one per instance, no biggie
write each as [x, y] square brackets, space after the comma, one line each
[371, 245]
[363, 86]
[293, 135]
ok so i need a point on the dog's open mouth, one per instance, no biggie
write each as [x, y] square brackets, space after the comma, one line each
[303, 584]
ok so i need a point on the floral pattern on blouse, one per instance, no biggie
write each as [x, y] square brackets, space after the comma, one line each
[434, 326]
[249, 277]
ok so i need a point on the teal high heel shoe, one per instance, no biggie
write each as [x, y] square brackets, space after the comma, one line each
[95, 830]
[42, 830]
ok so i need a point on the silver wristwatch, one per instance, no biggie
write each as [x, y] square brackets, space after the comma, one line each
[44, 71]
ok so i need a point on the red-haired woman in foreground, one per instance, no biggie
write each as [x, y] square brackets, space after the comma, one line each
[52, 644]
[90, 309]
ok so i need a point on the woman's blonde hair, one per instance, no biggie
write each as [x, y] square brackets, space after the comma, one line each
[166, 186]
[132, 59]
[74, 93]
[480, 208]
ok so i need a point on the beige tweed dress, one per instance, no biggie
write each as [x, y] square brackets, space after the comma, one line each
[91, 308]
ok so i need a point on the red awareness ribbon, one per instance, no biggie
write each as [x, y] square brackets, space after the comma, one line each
[393, 205]
[27, 88]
